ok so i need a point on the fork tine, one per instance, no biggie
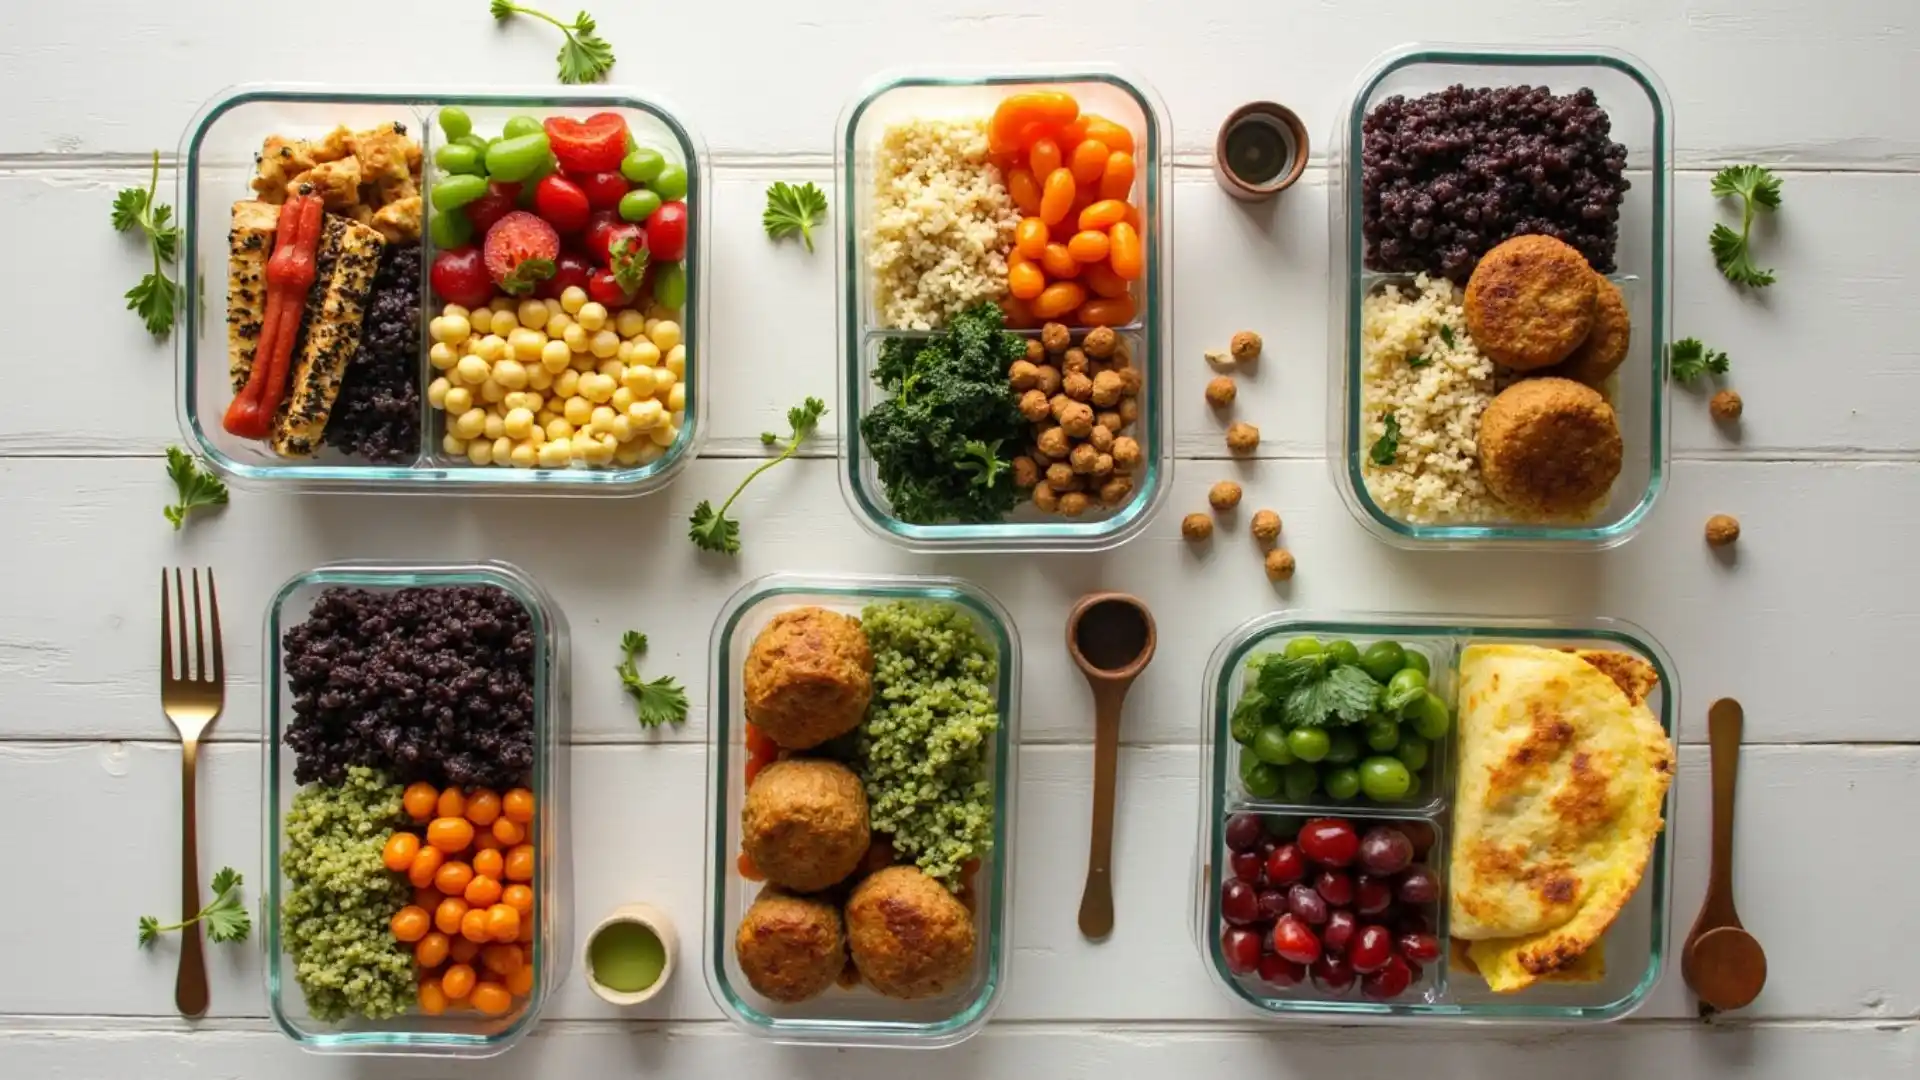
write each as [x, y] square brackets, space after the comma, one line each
[180, 622]
[213, 609]
[166, 630]
[199, 632]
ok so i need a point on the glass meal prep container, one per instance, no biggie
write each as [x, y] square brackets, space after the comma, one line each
[1641, 116]
[217, 157]
[858, 1016]
[458, 1032]
[901, 97]
[1635, 944]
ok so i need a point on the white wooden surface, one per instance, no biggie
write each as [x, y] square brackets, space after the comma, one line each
[1811, 625]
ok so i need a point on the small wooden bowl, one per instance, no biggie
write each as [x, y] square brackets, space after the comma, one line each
[654, 920]
[1293, 140]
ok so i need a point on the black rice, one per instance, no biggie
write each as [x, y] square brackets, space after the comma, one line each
[377, 415]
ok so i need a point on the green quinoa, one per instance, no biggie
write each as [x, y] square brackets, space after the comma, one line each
[922, 748]
[341, 897]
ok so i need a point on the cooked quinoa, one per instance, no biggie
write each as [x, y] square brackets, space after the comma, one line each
[942, 223]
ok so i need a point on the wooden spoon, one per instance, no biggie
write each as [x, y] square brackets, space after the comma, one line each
[1111, 638]
[1722, 963]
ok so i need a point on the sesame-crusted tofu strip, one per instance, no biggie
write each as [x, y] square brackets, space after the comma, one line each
[249, 242]
[349, 254]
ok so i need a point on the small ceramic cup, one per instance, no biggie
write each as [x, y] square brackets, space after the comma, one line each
[643, 915]
[1260, 151]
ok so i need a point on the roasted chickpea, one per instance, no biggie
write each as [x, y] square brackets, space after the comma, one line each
[1075, 360]
[1279, 564]
[1053, 443]
[1245, 346]
[1026, 472]
[1129, 411]
[1057, 404]
[1100, 437]
[1077, 421]
[1107, 388]
[1023, 375]
[1048, 378]
[1196, 527]
[1054, 337]
[1077, 386]
[1722, 529]
[1034, 406]
[1103, 466]
[1129, 381]
[1075, 482]
[1122, 356]
[1074, 503]
[1110, 420]
[1224, 496]
[1060, 476]
[1099, 342]
[1266, 525]
[1115, 491]
[1036, 352]
[1083, 457]
[1220, 391]
[1726, 406]
[1045, 498]
[1126, 453]
[1242, 437]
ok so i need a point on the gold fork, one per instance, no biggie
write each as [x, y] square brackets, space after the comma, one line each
[192, 689]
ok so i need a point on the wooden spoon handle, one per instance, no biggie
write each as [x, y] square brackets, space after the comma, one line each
[1725, 726]
[1096, 900]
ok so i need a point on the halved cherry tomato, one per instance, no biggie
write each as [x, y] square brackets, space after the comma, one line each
[1058, 263]
[1025, 191]
[1103, 281]
[1116, 179]
[1104, 214]
[1044, 157]
[1106, 311]
[1114, 135]
[596, 144]
[1088, 246]
[1129, 256]
[1024, 280]
[1058, 299]
[1089, 162]
[1030, 237]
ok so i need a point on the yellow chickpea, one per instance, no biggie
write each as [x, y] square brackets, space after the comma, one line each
[480, 453]
[455, 329]
[580, 446]
[514, 400]
[646, 415]
[596, 388]
[664, 335]
[583, 362]
[677, 360]
[576, 337]
[525, 344]
[457, 400]
[578, 410]
[556, 453]
[502, 451]
[623, 428]
[535, 402]
[471, 424]
[443, 355]
[493, 348]
[453, 445]
[559, 428]
[677, 399]
[663, 381]
[630, 323]
[601, 421]
[664, 435]
[518, 423]
[471, 370]
[604, 344]
[437, 390]
[555, 356]
[533, 312]
[566, 384]
[510, 374]
[639, 380]
[539, 378]
[491, 392]
[646, 354]
[622, 398]
[524, 456]
[496, 426]
[503, 323]
[572, 299]
[558, 322]
[591, 316]
[541, 419]
[629, 453]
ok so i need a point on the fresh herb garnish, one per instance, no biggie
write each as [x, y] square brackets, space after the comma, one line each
[1688, 359]
[712, 529]
[196, 486]
[1420, 361]
[1757, 188]
[658, 702]
[1446, 335]
[157, 295]
[1307, 691]
[1388, 444]
[627, 262]
[226, 918]
[584, 56]
[794, 209]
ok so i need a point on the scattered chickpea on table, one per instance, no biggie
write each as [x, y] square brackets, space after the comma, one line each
[1196, 527]
[1722, 529]
[1266, 527]
[1224, 496]
[1280, 564]
[1726, 406]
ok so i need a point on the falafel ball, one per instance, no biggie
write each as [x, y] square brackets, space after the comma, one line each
[1606, 346]
[808, 677]
[1530, 302]
[1550, 445]
[909, 936]
[805, 823]
[790, 948]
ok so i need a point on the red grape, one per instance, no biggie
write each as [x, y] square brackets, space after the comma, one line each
[500, 200]
[1329, 841]
[1243, 830]
[1420, 834]
[1419, 886]
[1338, 931]
[460, 277]
[1413, 922]
[1332, 974]
[1335, 887]
[1273, 903]
[1286, 865]
[1277, 970]
[1390, 981]
[603, 189]
[1420, 948]
[1307, 905]
[1385, 850]
[1371, 896]
[1372, 947]
[1294, 940]
[1238, 904]
[1242, 948]
[667, 231]
[1247, 866]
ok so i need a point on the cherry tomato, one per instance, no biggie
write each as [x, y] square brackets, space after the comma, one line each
[432, 950]
[450, 835]
[420, 799]
[410, 923]
[1113, 135]
[425, 865]
[457, 981]
[604, 289]
[1058, 299]
[1129, 256]
[1019, 114]
[596, 144]
[1044, 157]
[452, 878]
[510, 832]
[433, 1000]
[460, 950]
[1024, 280]
[1089, 162]
[561, 202]
[1114, 311]
[448, 916]
[503, 923]
[400, 850]
[1104, 214]
[483, 806]
[460, 277]
[473, 926]
[428, 898]
[491, 999]
[570, 269]
[1019, 313]
[600, 239]
[667, 232]
[1059, 263]
[1103, 281]
[453, 803]
[502, 960]
[1116, 179]
[520, 983]
[519, 898]
[483, 892]
[518, 805]
[500, 200]
[1030, 237]
[1024, 189]
[1057, 197]
[520, 863]
[603, 189]
[489, 864]
[1088, 246]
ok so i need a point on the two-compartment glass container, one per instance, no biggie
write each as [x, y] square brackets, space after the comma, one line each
[462, 1032]
[217, 157]
[1641, 116]
[1635, 944]
[857, 1016]
[911, 96]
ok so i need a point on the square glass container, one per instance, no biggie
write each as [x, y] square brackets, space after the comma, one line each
[457, 1033]
[217, 159]
[856, 1017]
[904, 96]
[1641, 114]
[1635, 944]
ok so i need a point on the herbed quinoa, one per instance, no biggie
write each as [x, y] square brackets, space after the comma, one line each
[341, 897]
[942, 223]
[922, 748]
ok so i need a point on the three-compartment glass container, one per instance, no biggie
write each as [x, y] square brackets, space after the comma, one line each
[906, 97]
[218, 157]
[1641, 118]
[857, 1016]
[461, 1032]
[1635, 944]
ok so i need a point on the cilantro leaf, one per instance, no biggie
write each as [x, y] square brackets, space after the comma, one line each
[584, 56]
[157, 296]
[660, 701]
[1753, 182]
[226, 879]
[1281, 675]
[195, 486]
[149, 929]
[129, 207]
[1249, 716]
[1756, 188]
[1388, 444]
[794, 209]
[154, 300]
[713, 530]
[226, 917]
[1347, 695]
[1418, 362]
[1688, 359]
[1446, 335]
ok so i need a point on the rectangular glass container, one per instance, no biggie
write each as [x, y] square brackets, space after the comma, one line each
[898, 97]
[457, 1033]
[1641, 114]
[857, 1017]
[1637, 941]
[217, 159]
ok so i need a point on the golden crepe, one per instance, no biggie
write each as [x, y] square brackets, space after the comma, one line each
[1563, 773]
[1588, 967]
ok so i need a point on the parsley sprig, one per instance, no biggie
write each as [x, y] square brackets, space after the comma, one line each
[1387, 446]
[1308, 691]
[584, 57]
[157, 295]
[794, 209]
[712, 529]
[226, 917]
[1757, 189]
[660, 701]
[196, 486]
[1688, 359]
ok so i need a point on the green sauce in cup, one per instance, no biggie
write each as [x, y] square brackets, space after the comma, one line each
[627, 957]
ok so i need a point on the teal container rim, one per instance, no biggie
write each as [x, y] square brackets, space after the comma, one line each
[1222, 668]
[1154, 327]
[547, 967]
[1357, 279]
[994, 618]
[423, 477]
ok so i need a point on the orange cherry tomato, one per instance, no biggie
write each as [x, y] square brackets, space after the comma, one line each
[489, 863]
[1089, 162]
[1088, 246]
[1025, 191]
[452, 803]
[491, 999]
[453, 877]
[520, 863]
[1058, 263]
[519, 898]
[473, 926]
[1135, 219]
[1106, 311]
[1114, 135]
[1129, 256]
[433, 1000]
[1103, 281]
[520, 983]
[525, 936]
[457, 981]
[747, 868]
[446, 918]
[432, 950]
[410, 923]
[1104, 214]
[483, 807]
[517, 805]
[1030, 237]
[483, 892]
[400, 850]
[426, 863]
[1019, 313]
[1044, 157]
[509, 832]
[1025, 281]
[1057, 198]
[1017, 114]
[503, 923]
[1072, 133]
[462, 951]
[501, 959]
[1116, 180]
[450, 835]
[419, 800]
[1060, 298]
[428, 898]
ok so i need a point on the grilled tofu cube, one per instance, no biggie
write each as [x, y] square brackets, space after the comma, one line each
[348, 255]
[337, 182]
[399, 221]
[280, 159]
[332, 146]
[382, 152]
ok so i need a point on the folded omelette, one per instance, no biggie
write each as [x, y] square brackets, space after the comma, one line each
[1563, 773]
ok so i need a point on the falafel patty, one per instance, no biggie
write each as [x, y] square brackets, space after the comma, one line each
[909, 936]
[808, 677]
[805, 823]
[1550, 445]
[1530, 302]
[790, 948]
[1606, 346]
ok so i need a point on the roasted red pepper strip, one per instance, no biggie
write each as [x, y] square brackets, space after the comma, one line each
[290, 273]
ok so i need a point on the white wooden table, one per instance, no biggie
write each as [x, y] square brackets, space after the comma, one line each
[1813, 625]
